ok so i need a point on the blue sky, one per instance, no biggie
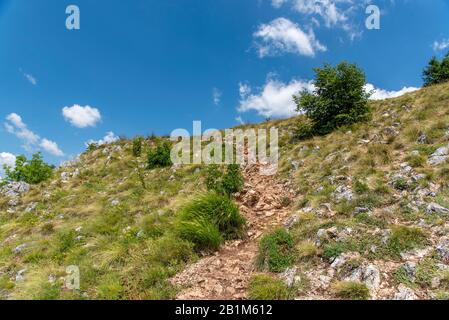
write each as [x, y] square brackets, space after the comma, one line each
[143, 66]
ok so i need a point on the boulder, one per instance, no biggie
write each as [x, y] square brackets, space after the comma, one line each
[404, 293]
[436, 208]
[15, 189]
[439, 156]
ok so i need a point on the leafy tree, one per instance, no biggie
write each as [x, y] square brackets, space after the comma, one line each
[160, 157]
[436, 71]
[33, 171]
[339, 99]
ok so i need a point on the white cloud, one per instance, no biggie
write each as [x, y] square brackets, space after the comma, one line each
[240, 120]
[333, 13]
[244, 90]
[441, 45]
[110, 137]
[282, 35]
[81, 117]
[278, 3]
[216, 96]
[381, 94]
[51, 147]
[6, 159]
[275, 99]
[17, 127]
[31, 79]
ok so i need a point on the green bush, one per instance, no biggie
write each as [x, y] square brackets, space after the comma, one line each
[436, 71]
[264, 287]
[339, 99]
[276, 251]
[159, 157]
[208, 219]
[137, 146]
[405, 238]
[224, 183]
[349, 290]
[32, 171]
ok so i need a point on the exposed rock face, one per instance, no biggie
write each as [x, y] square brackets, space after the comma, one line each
[343, 193]
[15, 189]
[443, 250]
[438, 157]
[289, 276]
[405, 293]
[436, 208]
[370, 275]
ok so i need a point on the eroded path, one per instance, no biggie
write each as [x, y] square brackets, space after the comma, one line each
[225, 275]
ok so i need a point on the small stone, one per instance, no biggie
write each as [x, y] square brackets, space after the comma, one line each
[20, 275]
[289, 276]
[405, 293]
[436, 208]
[19, 248]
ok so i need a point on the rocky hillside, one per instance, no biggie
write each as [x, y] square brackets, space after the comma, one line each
[359, 213]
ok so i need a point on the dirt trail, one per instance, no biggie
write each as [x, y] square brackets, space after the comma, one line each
[225, 275]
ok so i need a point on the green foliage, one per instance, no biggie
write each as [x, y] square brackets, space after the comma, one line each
[224, 183]
[349, 290]
[32, 171]
[405, 238]
[137, 146]
[159, 157]
[264, 287]
[208, 219]
[436, 71]
[276, 251]
[339, 99]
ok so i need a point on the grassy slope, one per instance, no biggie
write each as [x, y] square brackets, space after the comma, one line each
[118, 261]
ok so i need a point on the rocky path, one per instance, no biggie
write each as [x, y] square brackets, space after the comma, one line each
[225, 275]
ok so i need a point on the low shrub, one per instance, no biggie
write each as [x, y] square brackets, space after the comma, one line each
[137, 146]
[264, 287]
[276, 251]
[405, 238]
[208, 219]
[349, 290]
[160, 157]
[224, 182]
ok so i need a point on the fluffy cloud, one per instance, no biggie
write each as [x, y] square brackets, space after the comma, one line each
[110, 137]
[6, 159]
[15, 125]
[333, 13]
[216, 96]
[81, 117]
[282, 35]
[441, 45]
[275, 99]
[381, 94]
[51, 147]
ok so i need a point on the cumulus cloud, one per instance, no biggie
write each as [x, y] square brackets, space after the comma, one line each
[381, 94]
[6, 159]
[15, 125]
[333, 13]
[81, 117]
[244, 90]
[284, 36]
[275, 99]
[51, 147]
[110, 137]
[441, 45]
[216, 96]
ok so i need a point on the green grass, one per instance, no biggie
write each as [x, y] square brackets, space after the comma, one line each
[208, 220]
[276, 251]
[404, 239]
[265, 287]
[348, 290]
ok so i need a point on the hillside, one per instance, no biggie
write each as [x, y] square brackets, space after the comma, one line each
[363, 213]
